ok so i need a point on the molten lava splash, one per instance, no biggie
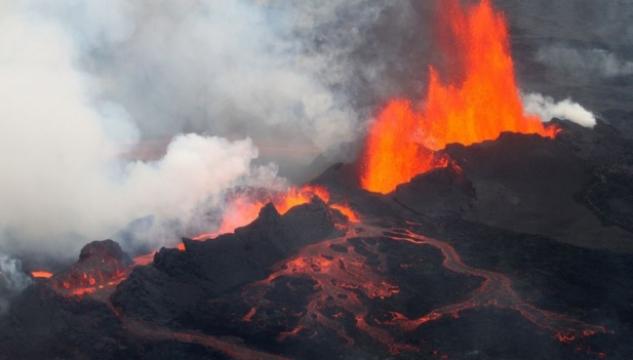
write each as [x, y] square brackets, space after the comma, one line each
[41, 274]
[486, 102]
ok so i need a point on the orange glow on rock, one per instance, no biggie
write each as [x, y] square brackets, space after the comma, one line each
[402, 140]
[299, 196]
[41, 274]
[242, 210]
[347, 211]
[89, 283]
[146, 259]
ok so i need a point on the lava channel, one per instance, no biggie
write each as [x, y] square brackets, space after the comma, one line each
[342, 276]
[496, 290]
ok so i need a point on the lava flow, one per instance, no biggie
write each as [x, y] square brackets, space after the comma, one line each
[347, 276]
[496, 290]
[342, 277]
[402, 141]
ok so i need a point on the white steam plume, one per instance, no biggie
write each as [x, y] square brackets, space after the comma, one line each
[63, 179]
[547, 108]
[221, 67]
[89, 84]
[12, 280]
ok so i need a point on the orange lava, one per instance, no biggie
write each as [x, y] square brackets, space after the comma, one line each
[345, 282]
[299, 196]
[89, 283]
[496, 290]
[402, 140]
[41, 274]
[242, 210]
[351, 215]
[144, 259]
[343, 279]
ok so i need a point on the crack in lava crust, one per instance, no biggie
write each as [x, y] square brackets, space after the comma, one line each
[343, 278]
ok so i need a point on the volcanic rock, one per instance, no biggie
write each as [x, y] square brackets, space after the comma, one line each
[101, 263]
[534, 185]
[177, 280]
[519, 249]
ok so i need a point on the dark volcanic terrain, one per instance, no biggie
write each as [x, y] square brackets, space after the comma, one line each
[521, 249]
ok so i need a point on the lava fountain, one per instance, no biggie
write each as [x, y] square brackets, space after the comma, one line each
[402, 141]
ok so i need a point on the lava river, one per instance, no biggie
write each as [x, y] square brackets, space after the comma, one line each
[344, 279]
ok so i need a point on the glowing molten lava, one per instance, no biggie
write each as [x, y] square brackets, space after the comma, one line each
[101, 266]
[243, 209]
[349, 281]
[41, 274]
[303, 195]
[89, 283]
[146, 259]
[347, 211]
[240, 211]
[486, 102]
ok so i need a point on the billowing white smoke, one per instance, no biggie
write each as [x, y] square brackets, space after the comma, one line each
[64, 180]
[547, 108]
[12, 280]
[224, 67]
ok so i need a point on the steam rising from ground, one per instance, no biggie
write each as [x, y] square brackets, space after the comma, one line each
[547, 108]
[221, 67]
[64, 179]
[12, 280]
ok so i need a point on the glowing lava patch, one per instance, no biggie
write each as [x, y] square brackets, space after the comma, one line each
[243, 209]
[41, 274]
